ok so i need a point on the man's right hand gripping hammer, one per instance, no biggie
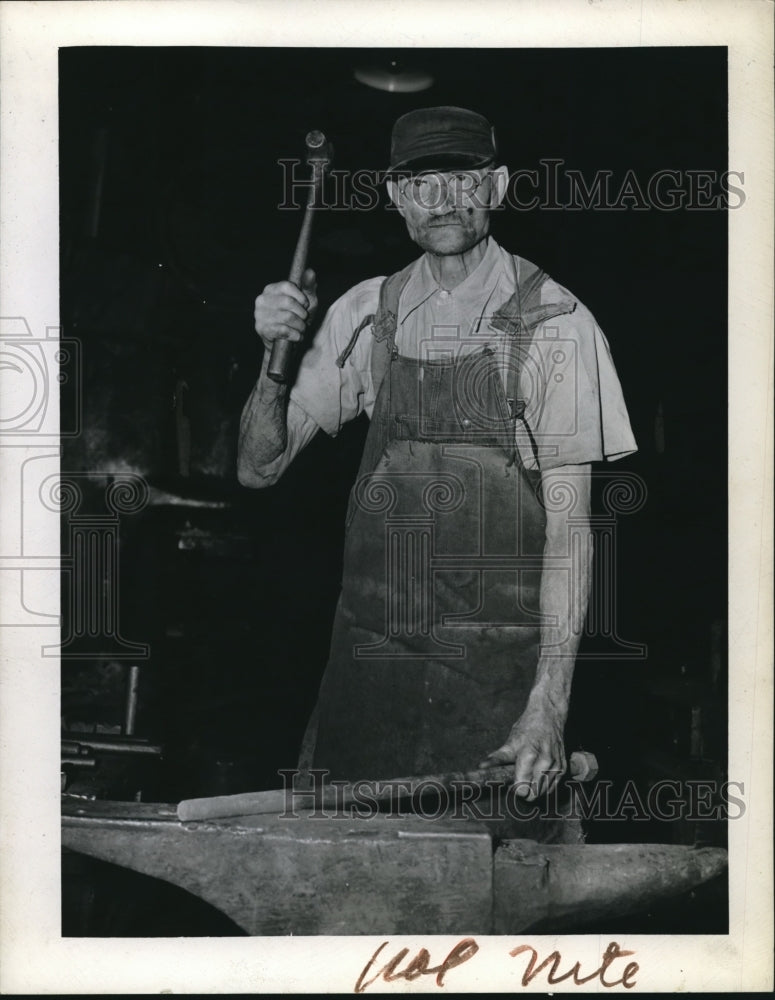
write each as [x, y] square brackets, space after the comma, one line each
[283, 311]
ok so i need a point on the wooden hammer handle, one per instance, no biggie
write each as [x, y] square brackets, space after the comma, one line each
[282, 350]
[582, 766]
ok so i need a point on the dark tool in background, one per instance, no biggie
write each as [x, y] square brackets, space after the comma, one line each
[109, 754]
[319, 155]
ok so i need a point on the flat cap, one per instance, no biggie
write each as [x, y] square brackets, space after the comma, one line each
[443, 138]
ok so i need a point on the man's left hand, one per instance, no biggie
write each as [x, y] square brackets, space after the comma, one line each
[536, 748]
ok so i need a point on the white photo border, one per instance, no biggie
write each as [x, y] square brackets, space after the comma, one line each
[34, 958]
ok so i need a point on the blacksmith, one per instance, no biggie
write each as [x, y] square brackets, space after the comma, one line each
[490, 391]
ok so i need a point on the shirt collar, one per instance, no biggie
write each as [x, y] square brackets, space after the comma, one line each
[472, 295]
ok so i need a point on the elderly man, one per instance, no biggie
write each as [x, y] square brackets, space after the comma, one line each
[490, 390]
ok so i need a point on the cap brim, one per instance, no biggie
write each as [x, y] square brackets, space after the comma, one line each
[443, 162]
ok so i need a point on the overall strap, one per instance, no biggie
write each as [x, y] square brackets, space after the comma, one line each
[519, 317]
[524, 311]
[389, 294]
[528, 282]
[384, 323]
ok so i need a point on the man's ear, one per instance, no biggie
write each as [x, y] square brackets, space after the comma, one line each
[393, 194]
[500, 182]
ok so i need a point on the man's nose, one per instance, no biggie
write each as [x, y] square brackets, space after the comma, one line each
[443, 203]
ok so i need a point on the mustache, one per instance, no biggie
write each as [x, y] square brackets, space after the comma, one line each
[453, 219]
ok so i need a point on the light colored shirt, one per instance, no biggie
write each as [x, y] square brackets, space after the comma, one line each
[574, 403]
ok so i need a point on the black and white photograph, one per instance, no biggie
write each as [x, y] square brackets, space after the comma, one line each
[390, 427]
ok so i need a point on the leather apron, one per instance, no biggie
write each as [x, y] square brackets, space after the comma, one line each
[435, 641]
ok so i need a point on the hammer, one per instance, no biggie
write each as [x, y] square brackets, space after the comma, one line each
[319, 155]
[582, 766]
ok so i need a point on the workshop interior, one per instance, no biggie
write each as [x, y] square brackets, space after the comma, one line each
[177, 205]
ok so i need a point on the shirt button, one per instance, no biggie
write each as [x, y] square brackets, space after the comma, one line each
[466, 422]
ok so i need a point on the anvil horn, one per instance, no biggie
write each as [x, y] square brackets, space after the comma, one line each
[555, 886]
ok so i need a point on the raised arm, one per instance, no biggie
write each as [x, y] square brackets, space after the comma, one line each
[272, 432]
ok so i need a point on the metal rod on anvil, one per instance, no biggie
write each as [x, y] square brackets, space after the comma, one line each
[319, 154]
[582, 766]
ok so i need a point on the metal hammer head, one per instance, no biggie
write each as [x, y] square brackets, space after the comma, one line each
[320, 152]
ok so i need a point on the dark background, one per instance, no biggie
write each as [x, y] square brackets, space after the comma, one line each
[170, 228]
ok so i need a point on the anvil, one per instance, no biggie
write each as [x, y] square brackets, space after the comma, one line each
[382, 874]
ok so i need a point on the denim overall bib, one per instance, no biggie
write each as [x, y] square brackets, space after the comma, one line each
[435, 641]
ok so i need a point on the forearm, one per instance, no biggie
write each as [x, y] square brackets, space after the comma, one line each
[272, 432]
[565, 586]
[263, 433]
[267, 442]
[536, 740]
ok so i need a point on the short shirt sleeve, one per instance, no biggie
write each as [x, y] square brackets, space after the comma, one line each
[575, 411]
[331, 395]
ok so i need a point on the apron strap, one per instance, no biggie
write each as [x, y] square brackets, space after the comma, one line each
[519, 317]
[383, 323]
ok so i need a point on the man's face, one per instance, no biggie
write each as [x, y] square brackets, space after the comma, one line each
[447, 213]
